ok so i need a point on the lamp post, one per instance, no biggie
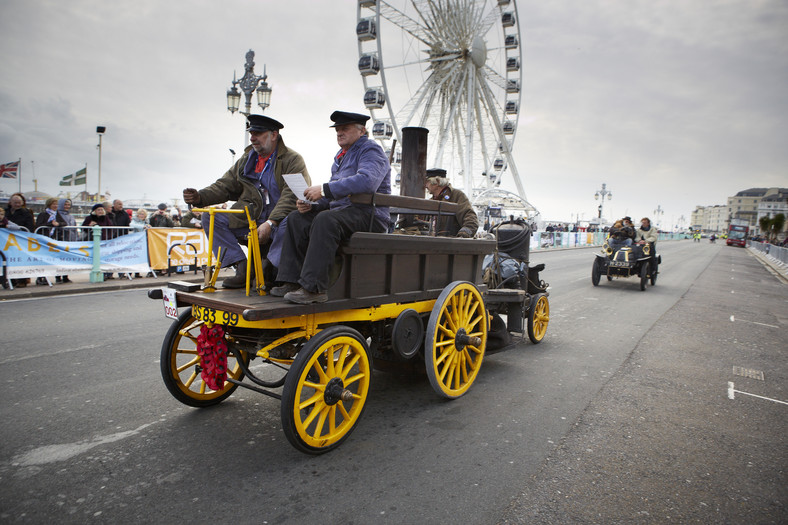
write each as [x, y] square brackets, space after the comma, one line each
[602, 194]
[100, 130]
[249, 83]
[657, 213]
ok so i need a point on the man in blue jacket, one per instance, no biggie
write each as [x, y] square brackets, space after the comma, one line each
[325, 216]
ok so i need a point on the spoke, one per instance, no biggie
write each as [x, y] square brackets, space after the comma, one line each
[332, 416]
[467, 364]
[317, 367]
[316, 410]
[190, 337]
[317, 396]
[188, 382]
[329, 353]
[321, 422]
[352, 379]
[447, 366]
[404, 22]
[191, 363]
[443, 355]
[343, 410]
[349, 366]
[447, 332]
[340, 364]
[320, 387]
[190, 351]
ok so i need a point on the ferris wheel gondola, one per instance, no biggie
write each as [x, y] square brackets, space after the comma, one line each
[453, 67]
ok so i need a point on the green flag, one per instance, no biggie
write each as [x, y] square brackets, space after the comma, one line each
[81, 177]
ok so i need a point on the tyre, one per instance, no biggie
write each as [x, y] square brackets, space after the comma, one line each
[643, 276]
[654, 271]
[538, 318]
[456, 339]
[326, 390]
[596, 272]
[181, 365]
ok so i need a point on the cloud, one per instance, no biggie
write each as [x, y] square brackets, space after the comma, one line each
[669, 103]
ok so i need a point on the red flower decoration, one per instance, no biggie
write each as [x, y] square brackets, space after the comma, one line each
[213, 356]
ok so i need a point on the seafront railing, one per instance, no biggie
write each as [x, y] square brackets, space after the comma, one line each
[778, 253]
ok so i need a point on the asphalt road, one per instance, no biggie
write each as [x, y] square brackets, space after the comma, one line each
[92, 435]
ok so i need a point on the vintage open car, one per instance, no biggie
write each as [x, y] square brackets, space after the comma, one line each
[394, 300]
[640, 260]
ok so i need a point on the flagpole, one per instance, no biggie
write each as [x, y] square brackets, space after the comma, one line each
[100, 131]
[19, 174]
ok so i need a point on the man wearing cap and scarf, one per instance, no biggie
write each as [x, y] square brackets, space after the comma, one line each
[256, 181]
[326, 217]
[464, 223]
[160, 219]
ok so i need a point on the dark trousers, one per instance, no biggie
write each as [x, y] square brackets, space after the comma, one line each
[312, 240]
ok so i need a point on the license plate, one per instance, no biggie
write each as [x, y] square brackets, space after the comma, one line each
[619, 264]
[170, 304]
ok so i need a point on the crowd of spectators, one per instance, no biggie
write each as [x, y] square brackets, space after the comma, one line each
[57, 222]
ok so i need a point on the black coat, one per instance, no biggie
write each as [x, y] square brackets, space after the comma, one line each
[21, 217]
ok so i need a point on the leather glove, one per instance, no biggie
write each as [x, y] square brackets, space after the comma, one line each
[465, 233]
[191, 196]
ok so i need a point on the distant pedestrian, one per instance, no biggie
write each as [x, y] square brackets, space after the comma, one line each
[160, 219]
[119, 216]
[140, 221]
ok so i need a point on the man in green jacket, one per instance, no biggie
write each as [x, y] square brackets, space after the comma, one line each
[465, 222]
[255, 180]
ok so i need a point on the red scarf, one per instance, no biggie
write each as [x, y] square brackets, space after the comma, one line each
[260, 166]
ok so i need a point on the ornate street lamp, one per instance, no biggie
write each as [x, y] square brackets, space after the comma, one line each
[100, 131]
[657, 216]
[248, 84]
[602, 193]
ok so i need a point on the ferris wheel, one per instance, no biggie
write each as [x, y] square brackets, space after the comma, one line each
[453, 67]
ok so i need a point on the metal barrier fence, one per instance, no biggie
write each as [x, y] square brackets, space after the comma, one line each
[548, 240]
[82, 233]
[772, 251]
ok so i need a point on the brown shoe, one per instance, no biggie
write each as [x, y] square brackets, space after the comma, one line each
[281, 291]
[239, 279]
[303, 296]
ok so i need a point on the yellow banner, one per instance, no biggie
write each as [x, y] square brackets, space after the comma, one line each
[182, 245]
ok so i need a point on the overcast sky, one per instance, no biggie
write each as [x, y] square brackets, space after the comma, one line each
[671, 103]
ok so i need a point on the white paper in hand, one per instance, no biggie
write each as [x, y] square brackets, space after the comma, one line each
[297, 184]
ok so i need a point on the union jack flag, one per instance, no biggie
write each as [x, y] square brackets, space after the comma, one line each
[9, 171]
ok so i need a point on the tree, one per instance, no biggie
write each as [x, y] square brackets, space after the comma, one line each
[765, 224]
[771, 227]
[778, 223]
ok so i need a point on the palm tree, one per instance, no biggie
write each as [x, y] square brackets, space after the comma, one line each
[778, 223]
[765, 224]
[771, 227]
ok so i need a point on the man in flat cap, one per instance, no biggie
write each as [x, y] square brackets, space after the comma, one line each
[464, 223]
[256, 181]
[325, 216]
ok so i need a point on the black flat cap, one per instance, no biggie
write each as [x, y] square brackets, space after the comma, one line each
[341, 118]
[436, 172]
[262, 123]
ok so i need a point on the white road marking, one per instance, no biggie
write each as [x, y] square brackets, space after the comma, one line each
[731, 394]
[754, 322]
[65, 451]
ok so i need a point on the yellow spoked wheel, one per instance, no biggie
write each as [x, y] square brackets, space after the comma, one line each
[456, 339]
[181, 365]
[326, 390]
[538, 318]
